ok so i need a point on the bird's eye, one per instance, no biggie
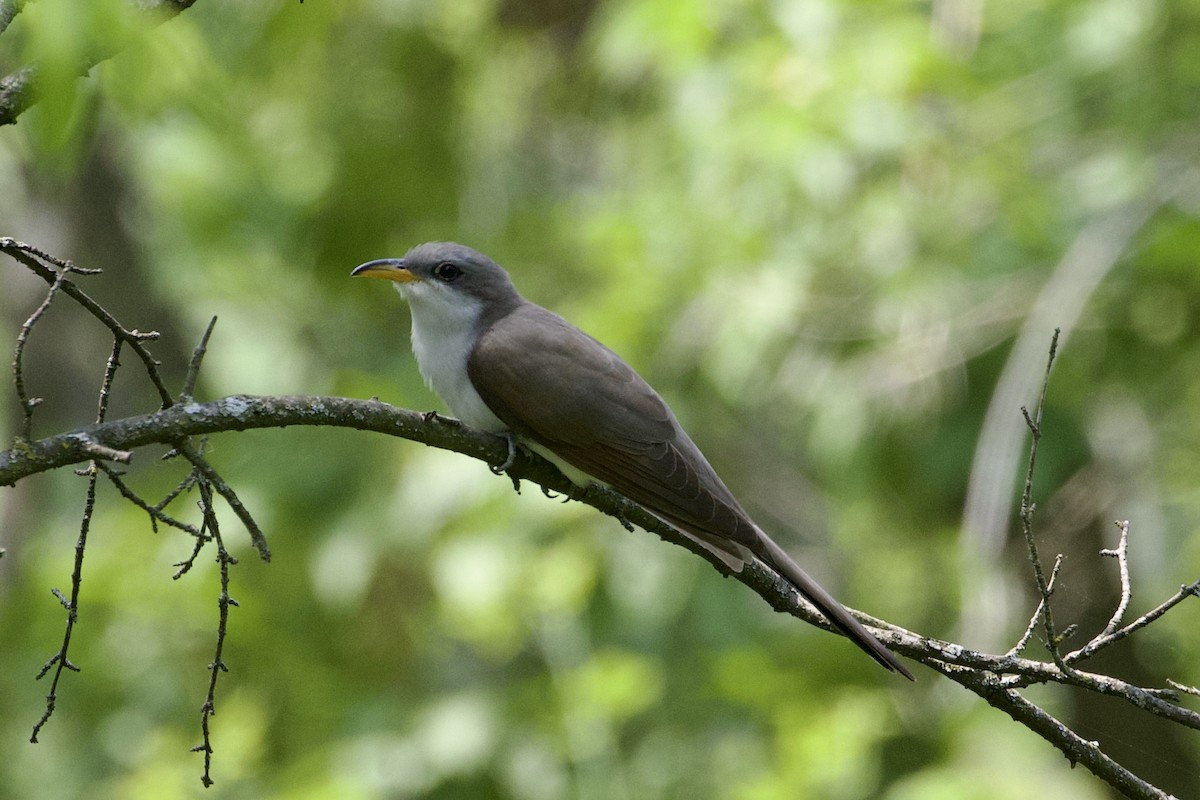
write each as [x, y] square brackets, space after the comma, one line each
[447, 272]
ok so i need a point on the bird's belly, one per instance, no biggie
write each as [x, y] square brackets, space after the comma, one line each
[466, 404]
[442, 360]
[574, 475]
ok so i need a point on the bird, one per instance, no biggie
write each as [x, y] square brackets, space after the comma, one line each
[508, 366]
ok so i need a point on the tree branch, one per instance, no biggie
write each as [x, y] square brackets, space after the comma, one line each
[246, 412]
[1077, 749]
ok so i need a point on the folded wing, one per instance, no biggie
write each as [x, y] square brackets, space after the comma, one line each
[582, 402]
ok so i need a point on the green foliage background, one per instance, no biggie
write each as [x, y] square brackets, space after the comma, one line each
[816, 225]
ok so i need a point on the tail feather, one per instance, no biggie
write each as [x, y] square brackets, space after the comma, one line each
[774, 557]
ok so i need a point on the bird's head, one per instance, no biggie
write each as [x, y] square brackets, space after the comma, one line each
[448, 278]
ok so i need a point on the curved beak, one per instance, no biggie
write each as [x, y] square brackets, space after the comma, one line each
[392, 269]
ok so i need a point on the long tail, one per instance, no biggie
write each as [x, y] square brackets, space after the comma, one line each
[773, 556]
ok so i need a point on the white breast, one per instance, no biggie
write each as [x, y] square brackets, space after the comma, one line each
[443, 333]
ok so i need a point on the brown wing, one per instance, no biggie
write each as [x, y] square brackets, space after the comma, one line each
[581, 401]
[587, 406]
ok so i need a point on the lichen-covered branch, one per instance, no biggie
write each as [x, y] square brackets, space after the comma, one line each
[1076, 749]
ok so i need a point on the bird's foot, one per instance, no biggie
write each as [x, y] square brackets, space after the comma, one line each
[511, 440]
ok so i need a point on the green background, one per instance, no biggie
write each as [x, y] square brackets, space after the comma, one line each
[817, 226]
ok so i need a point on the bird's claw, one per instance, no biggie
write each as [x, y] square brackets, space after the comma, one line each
[511, 440]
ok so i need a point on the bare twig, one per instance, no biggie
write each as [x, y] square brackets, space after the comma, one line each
[156, 511]
[1179, 687]
[60, 659]
[186, 565]
[18, 363]
[193, 370]
[136, 339]
[1121, 554]
[257, 537]
[1023, 673]
[1023, 642]
[10, 244]
[1028, 508]
[1185, 591]
[183, 486]
[224, 601]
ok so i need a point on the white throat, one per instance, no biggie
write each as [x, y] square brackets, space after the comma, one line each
[443, 333]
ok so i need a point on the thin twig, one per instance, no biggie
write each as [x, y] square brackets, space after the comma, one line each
[1180, 687]
[18, 363]
[1023, 642]
[224, 601]
[60, 660]
[186, 565]
[1185, 591]
[1028, 508]
[193, 370]
[257, 537]
[156, 513]
[1121, 554]
[183, 486]
[134, 338]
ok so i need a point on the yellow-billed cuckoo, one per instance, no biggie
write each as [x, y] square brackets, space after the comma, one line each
[506, 365]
